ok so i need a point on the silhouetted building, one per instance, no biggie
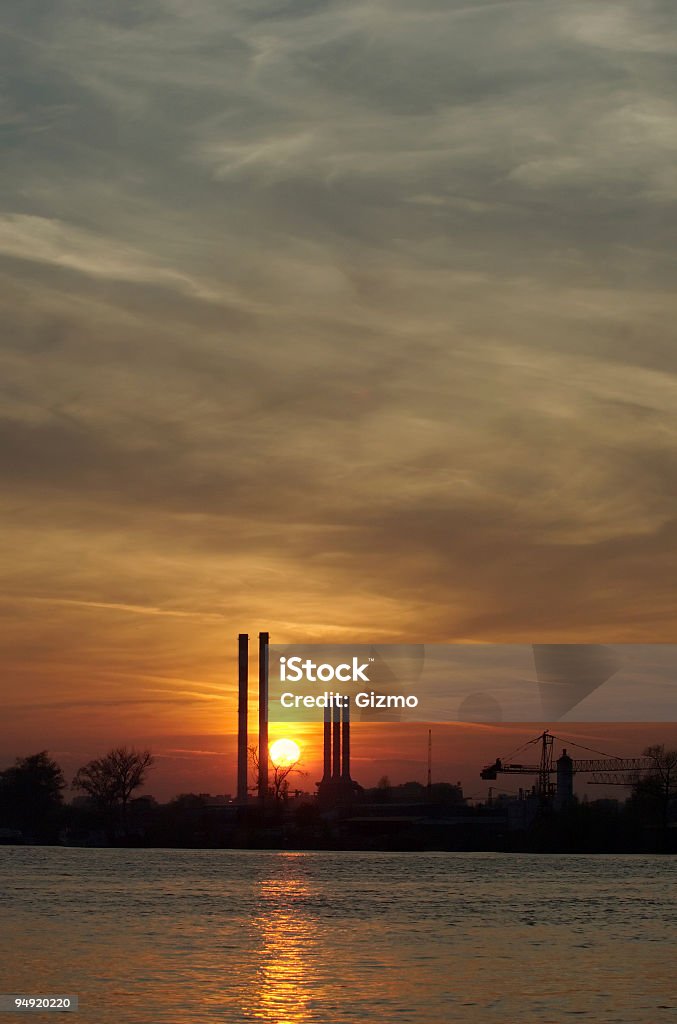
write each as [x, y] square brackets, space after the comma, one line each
[564, 793]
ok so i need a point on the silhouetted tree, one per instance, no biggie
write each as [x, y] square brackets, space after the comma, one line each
[111, 780]
[31, 796]
[384, 791]
[186, 821]
[654, 793]
[278, 786]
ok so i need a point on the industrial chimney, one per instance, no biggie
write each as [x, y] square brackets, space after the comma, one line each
[263, 716]
[345, 747]
[326, 775]
[242, 704]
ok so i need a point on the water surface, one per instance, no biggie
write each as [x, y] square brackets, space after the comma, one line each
[154, 936]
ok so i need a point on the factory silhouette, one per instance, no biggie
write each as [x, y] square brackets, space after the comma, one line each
[544, 816]
[336, 786]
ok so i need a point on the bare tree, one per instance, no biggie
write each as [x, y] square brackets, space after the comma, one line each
[278, 786]
[662, 778]
[384, 790]
[111, 780]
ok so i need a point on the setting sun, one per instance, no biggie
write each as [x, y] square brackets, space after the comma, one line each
[284, 752]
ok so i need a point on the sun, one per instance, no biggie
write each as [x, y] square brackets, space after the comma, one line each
[284, 752]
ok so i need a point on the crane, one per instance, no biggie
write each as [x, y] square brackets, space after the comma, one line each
[606, 770]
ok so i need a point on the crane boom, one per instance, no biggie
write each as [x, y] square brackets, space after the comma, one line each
[613, 764]
[604, 770]
[612, 779]
[598, 764]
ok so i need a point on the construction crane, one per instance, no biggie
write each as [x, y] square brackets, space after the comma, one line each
[606, 770]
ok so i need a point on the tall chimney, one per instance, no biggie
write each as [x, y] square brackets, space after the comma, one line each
[327, 745]
[242, 701]
[336, 768]
[263, 716]
[345, 751]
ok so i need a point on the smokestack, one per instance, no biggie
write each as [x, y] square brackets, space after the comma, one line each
[336, 770]
[242, 701]
[263, 716]
[327, 745]
[345, 752]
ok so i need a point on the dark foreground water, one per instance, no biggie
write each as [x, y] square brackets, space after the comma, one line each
[154, 936]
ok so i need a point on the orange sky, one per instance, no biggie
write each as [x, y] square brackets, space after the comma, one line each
[190, 722]
[365, 333]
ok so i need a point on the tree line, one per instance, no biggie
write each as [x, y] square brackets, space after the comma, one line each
[31, 791]
[33, 808]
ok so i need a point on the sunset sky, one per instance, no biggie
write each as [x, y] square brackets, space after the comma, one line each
[350, 321]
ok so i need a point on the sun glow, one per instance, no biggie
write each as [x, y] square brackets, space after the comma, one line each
[284, 753]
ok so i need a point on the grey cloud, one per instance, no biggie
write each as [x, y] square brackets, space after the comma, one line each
[301, 299]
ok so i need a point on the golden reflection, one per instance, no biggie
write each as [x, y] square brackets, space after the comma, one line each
[287, 989]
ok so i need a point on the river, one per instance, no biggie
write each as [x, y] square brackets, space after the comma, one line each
[155, 936]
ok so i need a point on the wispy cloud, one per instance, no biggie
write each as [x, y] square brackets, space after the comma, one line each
[48, 241]
[132, 609]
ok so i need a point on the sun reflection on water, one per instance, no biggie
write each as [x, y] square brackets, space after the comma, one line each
[287, 988]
